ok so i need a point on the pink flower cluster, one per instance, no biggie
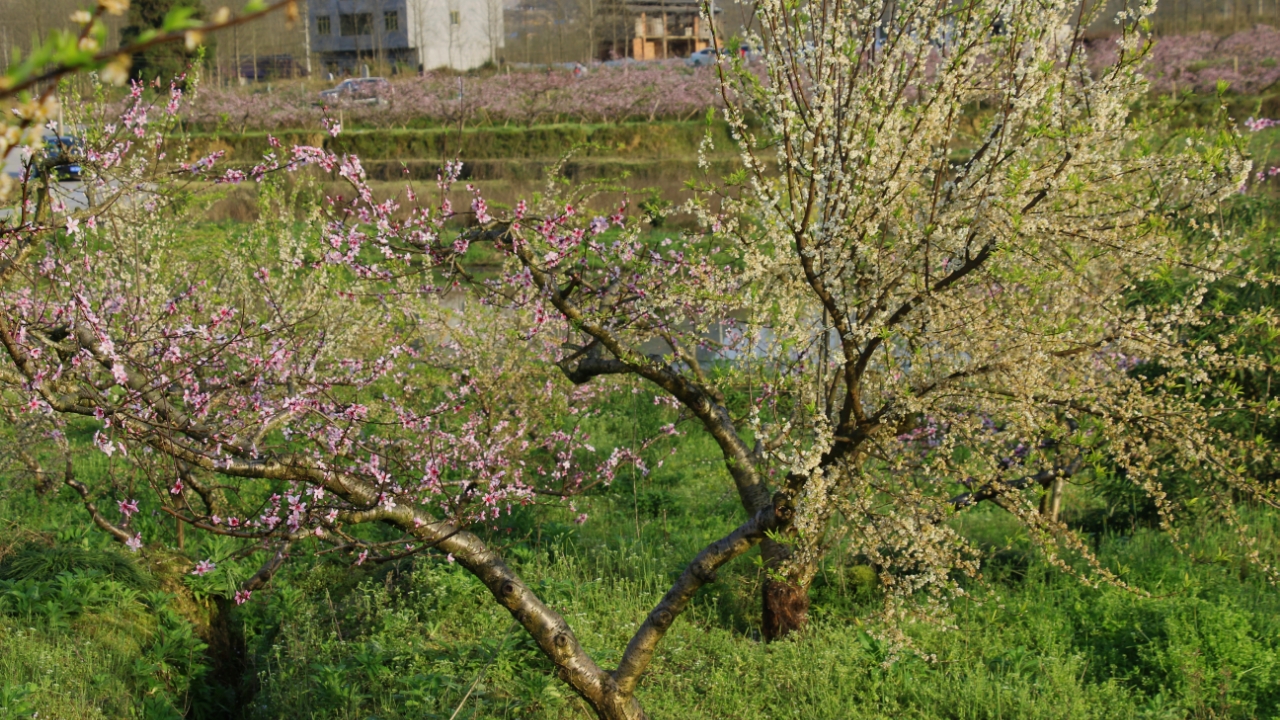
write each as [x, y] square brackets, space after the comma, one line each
[1267, 174]
[228, 366]
[1259, 124]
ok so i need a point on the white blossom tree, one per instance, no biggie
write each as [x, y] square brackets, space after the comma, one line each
[944, 216]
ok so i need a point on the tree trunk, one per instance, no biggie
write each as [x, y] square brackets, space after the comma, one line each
[1055, 497]
[614, 706]
[786, 608]
[1051, 500]
[785, 601]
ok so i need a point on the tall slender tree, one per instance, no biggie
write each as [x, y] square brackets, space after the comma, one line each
[167, 60]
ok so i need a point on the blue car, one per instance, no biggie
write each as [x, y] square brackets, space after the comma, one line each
[60, 158]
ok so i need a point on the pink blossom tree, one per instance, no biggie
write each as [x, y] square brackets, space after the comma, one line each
[311, 380]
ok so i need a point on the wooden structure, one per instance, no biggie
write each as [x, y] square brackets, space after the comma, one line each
[667, 28]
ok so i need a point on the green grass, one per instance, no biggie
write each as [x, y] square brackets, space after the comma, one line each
[421, 638]
[85, 644]
[408, 642]
[43, 564]
[613, 140]
[653, 150]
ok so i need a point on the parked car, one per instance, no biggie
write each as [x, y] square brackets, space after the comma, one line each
[749, 53]
[358, 91]
[705, 56]
[60, 157]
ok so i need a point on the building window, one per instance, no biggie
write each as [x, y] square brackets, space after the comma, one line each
[391, 20]
[455, 17]
[322, 25]
[355, 24]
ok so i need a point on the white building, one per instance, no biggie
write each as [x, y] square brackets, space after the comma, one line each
[419, 34]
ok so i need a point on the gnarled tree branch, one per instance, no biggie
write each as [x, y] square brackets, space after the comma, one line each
[701, 571]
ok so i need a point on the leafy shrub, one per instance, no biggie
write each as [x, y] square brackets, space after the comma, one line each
[1204, 653]
[41, 564]
[15, 700]
[83, 643]
[655, 208]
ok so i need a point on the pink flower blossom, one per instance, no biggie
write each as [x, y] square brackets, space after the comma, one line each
[1259, 124]
[105, 445]
[128, 508]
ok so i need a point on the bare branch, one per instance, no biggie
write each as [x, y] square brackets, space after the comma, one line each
[701, 571]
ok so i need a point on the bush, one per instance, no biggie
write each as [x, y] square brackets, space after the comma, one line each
[42, 564]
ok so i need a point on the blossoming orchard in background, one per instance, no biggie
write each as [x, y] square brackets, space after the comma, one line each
[642, 91]
[669, 89]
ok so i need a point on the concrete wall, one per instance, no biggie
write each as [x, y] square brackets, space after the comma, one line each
[470, 42]
[459, 34]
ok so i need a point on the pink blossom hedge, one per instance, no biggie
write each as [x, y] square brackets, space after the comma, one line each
[647, 91]
[1248, 60]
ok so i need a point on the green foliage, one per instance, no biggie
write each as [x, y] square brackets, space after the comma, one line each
[655, 208]
[409, 639]
[160, 61]
[15, 702]
[1242, 324]
[39, 563]
[409, 642]
[84, 632]
[85, 645]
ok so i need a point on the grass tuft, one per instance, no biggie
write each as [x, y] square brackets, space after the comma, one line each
[42, 564]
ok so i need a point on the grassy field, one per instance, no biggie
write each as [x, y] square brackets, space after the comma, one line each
[86, 632]
[629, 142]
